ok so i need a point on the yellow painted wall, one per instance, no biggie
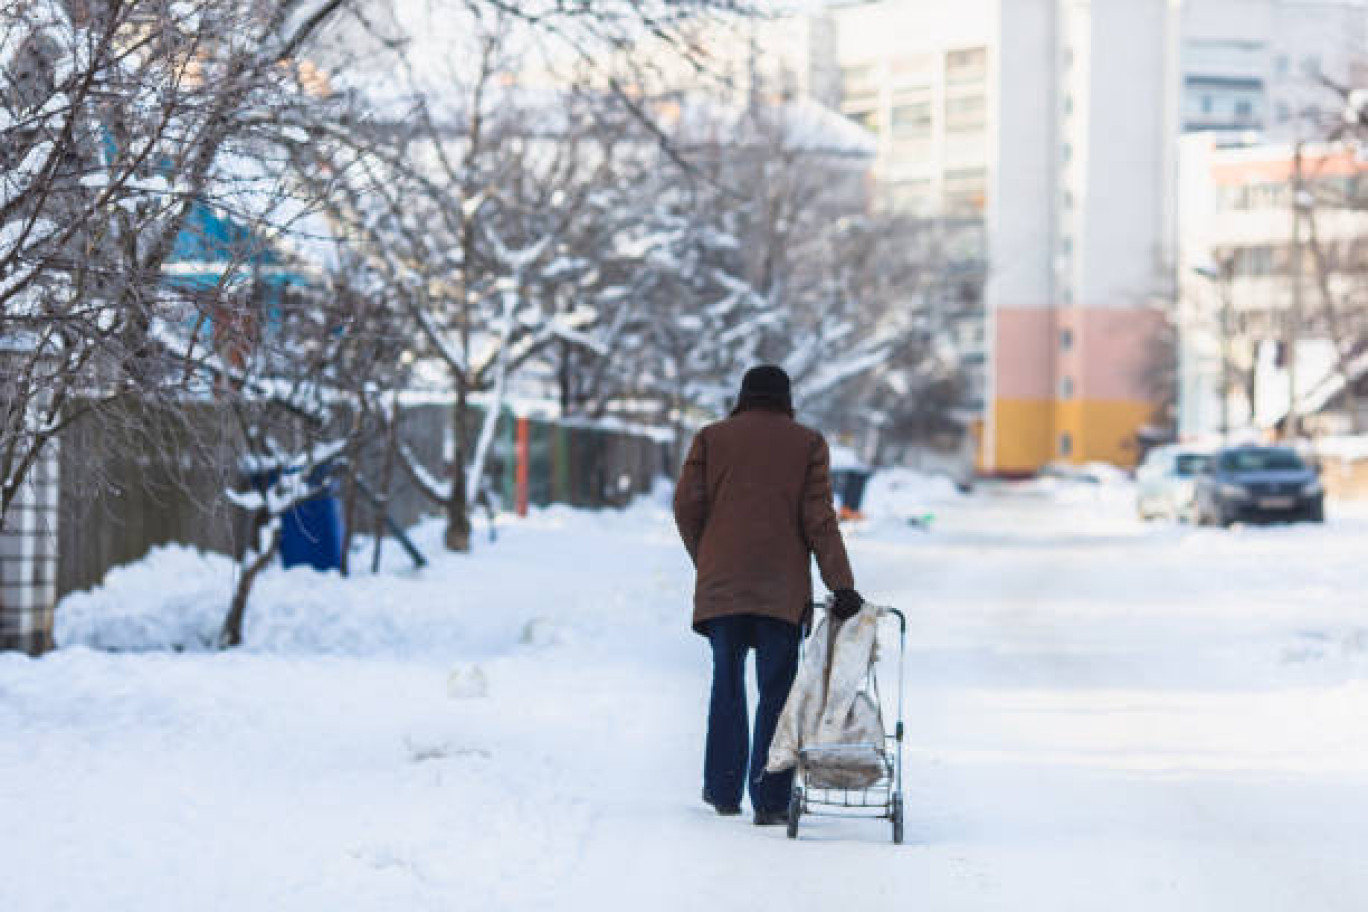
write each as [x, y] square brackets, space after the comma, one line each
[1023, 433]
[1027, 432]
[1104, 429]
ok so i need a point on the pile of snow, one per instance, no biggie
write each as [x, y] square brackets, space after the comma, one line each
[903, 494]
[1336, 652]
[1098, 485]
[1099, 473]
[175, 598]
[1349, 448]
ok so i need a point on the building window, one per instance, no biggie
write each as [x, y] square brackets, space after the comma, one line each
[968, 65]
[916, 64]
[911, 197]
[1356, 195]
[1066, 388]
[1212, 103]
[1245, 197]
[965, 191]
[859, 80]
[1066, 153]
[1258, 261]
[1066, 444]
[912, 120]
[1066, 339]
[965, 114]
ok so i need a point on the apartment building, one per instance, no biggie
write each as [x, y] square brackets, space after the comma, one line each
[1052, 125]
[917, 76]
[1260, 280]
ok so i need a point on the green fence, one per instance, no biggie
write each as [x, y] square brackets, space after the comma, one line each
[576, 464]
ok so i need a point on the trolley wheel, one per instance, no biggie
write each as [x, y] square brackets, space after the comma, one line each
[795, 812]
[897, 815]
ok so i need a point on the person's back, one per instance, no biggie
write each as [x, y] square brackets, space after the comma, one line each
[752, 504]
[756, 499]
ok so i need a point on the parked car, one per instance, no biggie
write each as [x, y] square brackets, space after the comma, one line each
[1258, 483]
[1166, 482]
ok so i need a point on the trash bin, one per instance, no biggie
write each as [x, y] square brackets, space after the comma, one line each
[312, 533]
[849, 487]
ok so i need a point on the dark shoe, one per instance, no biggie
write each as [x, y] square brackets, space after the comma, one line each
[723, 810]
[771, 818]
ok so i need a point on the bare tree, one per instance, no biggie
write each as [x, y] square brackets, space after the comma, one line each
[121, 122]
[1340, 267]
[763, 247]
[127, 126]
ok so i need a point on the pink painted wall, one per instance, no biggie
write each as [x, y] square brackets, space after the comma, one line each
[1023, 355]
[1109, 357]
[1116, 350]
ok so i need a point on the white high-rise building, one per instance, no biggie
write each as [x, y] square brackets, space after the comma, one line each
[1053, 124]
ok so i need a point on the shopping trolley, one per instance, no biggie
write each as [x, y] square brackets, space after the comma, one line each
[882, 800]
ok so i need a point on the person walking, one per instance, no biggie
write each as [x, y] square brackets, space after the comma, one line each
[753, 506]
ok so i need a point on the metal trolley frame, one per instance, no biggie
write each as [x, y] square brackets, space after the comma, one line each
[884, 799]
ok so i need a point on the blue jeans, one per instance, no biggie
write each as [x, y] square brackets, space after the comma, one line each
[730, 748]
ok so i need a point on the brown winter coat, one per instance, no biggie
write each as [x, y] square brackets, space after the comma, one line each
[753, 502]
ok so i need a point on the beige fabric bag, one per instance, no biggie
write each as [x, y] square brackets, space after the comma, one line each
[828, 714]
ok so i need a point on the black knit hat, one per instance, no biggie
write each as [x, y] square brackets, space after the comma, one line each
[766, 385]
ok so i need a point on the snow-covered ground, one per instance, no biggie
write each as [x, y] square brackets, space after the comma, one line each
[1102, 715]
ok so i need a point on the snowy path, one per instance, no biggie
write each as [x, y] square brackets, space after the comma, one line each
[1102, 716]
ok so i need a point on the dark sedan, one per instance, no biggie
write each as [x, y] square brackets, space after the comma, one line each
[1258, 483]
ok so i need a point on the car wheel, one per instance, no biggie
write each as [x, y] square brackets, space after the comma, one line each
[1316, 513]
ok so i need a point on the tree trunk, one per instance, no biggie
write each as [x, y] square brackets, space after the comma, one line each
[457, 536]
[386, 484]
[563, 378]
[349, 490]
[231, 634]
[494, 406]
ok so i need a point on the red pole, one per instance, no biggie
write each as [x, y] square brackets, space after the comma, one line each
[520, 478]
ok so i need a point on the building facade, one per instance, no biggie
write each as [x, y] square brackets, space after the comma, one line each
[917, 76]
[1053, 126]
[1273, 281]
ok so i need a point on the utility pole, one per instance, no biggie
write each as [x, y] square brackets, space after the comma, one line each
[1222, 276]
[1227, 276]
[1292, 330]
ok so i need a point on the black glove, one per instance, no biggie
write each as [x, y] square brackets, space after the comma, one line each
[846, 603]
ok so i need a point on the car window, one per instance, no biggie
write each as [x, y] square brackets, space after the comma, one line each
[1189, 464]
[1261, 460]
